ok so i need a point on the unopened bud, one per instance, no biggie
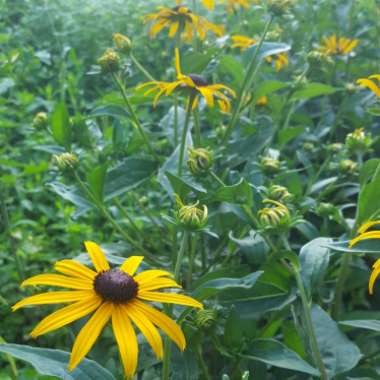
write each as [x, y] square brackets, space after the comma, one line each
[275, 216]
[325, 209]
[262, 101]
[205, 319]
[109, 61]
[40, 121]
[270, 165]
[279, 193]
[193, 217]
[65, 161]
[358, 141]
[348, 167]
[279, 7]
[316, 58]
[200, 160]
[122, 42]
[335, 147]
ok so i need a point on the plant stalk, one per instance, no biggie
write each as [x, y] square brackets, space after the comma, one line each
[184, 134]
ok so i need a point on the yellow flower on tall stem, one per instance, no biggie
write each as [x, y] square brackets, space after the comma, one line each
[280, 60]
[181, 20]
[116, 294]
[364, 234]
[370, 83]
[334, 45]
[195, 86]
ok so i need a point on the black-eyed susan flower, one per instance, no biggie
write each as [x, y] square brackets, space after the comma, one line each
[242, 42]
[370, 83]
[194, 85]
[364, 234]
[181, 19]
[335, 45]
[116, 294]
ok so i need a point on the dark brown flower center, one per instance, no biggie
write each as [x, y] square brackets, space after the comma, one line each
[115, 286]
[198, 80]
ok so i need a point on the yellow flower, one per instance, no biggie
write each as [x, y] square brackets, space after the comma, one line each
[122, 42]
[280, 60]
[334, 45]
[232, 4]
[369, 83]
[180, 19]
[197, 86]
[364, 234]
[116, 294]
[262, 101]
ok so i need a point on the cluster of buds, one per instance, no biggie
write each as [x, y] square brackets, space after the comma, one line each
[279, 193]
[40, 120]
[65, 161]
[279, 7]
[348, 167]
[205, 319]
[274, 217]
[358, 142]
[316, 58]
[122, 43]
[193, 216]
[109, 61]
[200, 161]
[270, 165]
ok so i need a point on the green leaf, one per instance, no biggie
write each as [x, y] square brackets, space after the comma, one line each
[54, 363]
[6, 84]
[287, 134]
[183, 186]
[274, 353]
[369, 200]
[60, 125]
[364, 246]
[112, 110]
[267, 49]
[240, 193]
[339, 354]
[229, 66]
[96, 178]
[314, 259]
[312, 90]
[268, 87]
[368, 324]
[374, 110]
[368, 170]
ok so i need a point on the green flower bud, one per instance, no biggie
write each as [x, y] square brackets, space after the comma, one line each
[335, 147]
[65, 161]
[351, 87]
[200, 161]
[109, 61]
[316, 58]
[270, 165]
[308, 146]
[325, 209]
[279, 193]
[205, 319]
[348, 167]
[40, 120]
[277, 216]
[122, 43]
[193, 217]
[358, 141]
[279, 7]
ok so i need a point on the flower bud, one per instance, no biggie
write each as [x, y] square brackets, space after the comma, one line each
[348, 167]
[276, 216]
[262, 101]
[122, 42]
[279, 193]
[65, 161]
[316, 58]
[40, 120]
[351, 87]
[358, 141]
[109, 61]
[270, 165]
[335, 147]
[193, 217]
[200, 160]
[308, 146]
[205, 319]
[325, 209]
[279, 7]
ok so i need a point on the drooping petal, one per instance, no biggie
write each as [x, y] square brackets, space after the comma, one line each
[366, 226]
[369, 84]
[53, 298]
[66, 315]
[98, 258]
[162, 321]
[375, 273]
[173, 29]
[365, 236]
[131, 264]
[126, 340]
[375, 76]
[89, 333]
[208, 94]
[177, 63]
[146, 327]
[178, 299]
[156, 28]
[74, 269]
[58, 280]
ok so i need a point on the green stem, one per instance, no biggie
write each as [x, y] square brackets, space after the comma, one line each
[250, 75]
[175, 121]
[182, 249]
[131, 221]
[197, 126]
[135, 120]
[205, 372]
[166, 360]
[141, 67]
[184, 134]
[191, 260]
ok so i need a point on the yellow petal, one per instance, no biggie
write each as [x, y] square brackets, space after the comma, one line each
[126, 340]
[375, 273]
[159, 283]
[365, 236]
[177, 63]
[156, 28]
[53, 298]
[162, 321]
[59, 280]
[366, 226]
[66, 315]
[178, 299]
[173, 29]
[98, 258]
[208, 95]
[146, 327]
[89, 333]
[369, 84]
[74, 269]
[375, 76]
[148, 275]
[131, 264]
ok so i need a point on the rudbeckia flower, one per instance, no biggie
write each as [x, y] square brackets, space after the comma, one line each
[334, 45]
[364, 234]
[231, 4]
[280, 60]
[180, 19]
[195, 85]
[116, 294]
[371, 84]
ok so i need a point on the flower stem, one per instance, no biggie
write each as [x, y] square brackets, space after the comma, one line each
[141, 67]
[197, 129]
[133, 116]
[250, 75]
[184, 134]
